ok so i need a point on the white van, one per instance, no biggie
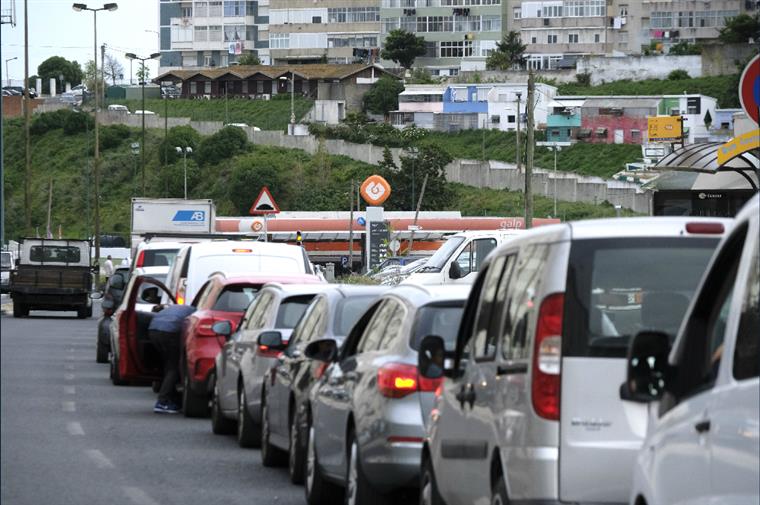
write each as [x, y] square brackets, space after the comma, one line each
[118, 108]
[196, 262]
[459, 258]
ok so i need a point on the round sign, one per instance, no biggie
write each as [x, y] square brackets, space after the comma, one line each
[375, 190]
[749, 89]
[257, 226]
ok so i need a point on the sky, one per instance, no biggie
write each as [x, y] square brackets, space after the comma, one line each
[55, 29]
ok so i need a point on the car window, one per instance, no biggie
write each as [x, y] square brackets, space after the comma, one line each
[235, 297]
[313, 321]
[438, 319]
[374, 331]
[393, 329]
[348, 312]
[474, 253]
[466, 327]
[522, 301]
[290, 311]
[145, 285]
[259, 315]
[747, 352]
[484, 342]
[158, 257]
[201, 299]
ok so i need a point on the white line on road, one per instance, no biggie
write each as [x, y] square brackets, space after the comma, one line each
[69, 406]
[74, 428]
[69, 390]
[100, 459]
[68, 376]
[138, 496]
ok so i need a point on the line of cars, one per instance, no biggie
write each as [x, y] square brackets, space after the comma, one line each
[587, 362]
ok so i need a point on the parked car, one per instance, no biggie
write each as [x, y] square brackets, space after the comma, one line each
[220, 299]
[157, 254]
[133, 356]
[702, 442]
[19, 90]
[530, 409]
[7, 263]
[241, 364]
[196, 262]
[365, 418]
[111, 298]
[118, 108]
[144, 113]
[392, 275]
[287, 385]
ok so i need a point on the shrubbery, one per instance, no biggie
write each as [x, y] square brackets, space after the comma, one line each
[224, 144]
[179, 136]
[112, 136]
[72, 122]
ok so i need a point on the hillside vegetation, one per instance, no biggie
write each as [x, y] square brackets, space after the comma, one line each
[62, 152]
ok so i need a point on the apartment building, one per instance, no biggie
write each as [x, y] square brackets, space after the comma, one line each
[459, 34]
[331, 31]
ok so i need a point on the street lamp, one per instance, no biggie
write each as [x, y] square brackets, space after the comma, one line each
[184, 152]
[292, 102]
[133, 56]
[96, 163]
[7, 73]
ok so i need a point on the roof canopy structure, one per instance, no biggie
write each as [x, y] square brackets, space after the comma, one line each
[703, 158]
[308, 72]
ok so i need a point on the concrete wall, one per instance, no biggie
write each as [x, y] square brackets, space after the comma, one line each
[637, 68]
[13, 105]
[721, 59]
[560, 76]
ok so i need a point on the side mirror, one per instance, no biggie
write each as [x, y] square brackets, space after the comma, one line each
[117, 282]
[325, 350]
[271, 340]
[431, 356]
[223, 328]
[648, 369]
[455, 272]
[150, 295]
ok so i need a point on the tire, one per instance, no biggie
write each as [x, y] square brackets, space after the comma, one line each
[499, 492]
[88, 312]
[429, 494]
[296, 450]
[115, 377]
[248, 430]
[193, 404]
[220, 425]
[101, 356]
[270, 455]
[358, 489]
[20, 310]
[318, 491]
[82, 313]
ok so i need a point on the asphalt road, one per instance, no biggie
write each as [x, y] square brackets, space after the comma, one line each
[70, 437]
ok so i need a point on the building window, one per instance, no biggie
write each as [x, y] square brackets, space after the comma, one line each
[409, 24]
[495, 119]
[215, 9]
[201, 33]
[623, 10]
[552, 11]
[193, 88]
[516, 12]
[635, 135]
[686, 19]
[234, 32]
[661, 20]
[458, 49]
[234, 8]
[467, 24]
[201, 9]
[181, 33]
[279, 40]
[511, 118]
[316, 20]
[207, 60]
[597, 38]
[572, 38]
[354, 14]
[207, 86]
[390, 24]
[187, 12]
[491, 23]
[551, 39]
[584, 8]
[215, 33]
[533, 40]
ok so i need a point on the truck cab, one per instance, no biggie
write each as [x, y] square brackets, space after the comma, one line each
[459, 258]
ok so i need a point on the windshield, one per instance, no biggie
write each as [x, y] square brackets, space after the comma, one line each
[441, 320]
[349, 311]
[291, 310]
[236, 298]
[54, 253]
[441, 256]
[617, 288]
[5, 260]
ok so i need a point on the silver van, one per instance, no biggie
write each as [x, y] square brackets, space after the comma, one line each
[530, 407]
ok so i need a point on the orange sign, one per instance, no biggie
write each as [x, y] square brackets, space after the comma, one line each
[375, 190]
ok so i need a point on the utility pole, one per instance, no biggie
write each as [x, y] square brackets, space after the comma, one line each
[27, 121]
[517, 136]
[529, 154]
[416, 215]
[351, 230]
[103, 68]
[48, 231]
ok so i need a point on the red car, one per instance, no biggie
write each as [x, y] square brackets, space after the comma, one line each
[220, 299]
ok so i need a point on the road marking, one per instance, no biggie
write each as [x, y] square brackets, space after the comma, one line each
[68, 376]
[74, 428]
[100, 459]
[69, 406]
[69, 390]
[139, 496]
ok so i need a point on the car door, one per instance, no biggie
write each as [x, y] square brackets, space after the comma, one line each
[470, 259]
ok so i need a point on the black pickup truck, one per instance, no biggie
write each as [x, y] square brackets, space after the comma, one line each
[52, 275]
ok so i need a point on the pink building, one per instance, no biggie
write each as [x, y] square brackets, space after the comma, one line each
[616, 120]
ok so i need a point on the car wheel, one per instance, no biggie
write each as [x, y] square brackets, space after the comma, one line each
[116, 379]
[193, 404]
[20, 310]
[248, 431]
[82, 313]
[88, 312]
[429, 494]
[296, 450]
[499, 493]
[220, 425]
[358, 488]
[270, 455]
[101, 356]
[318, 491]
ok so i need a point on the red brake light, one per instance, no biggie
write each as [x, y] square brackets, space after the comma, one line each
[396, 380]
[204, 327]
[140, 259]
[266, 352]
[705, 228]
[547, 355]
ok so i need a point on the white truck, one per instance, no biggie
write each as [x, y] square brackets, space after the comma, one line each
[170, 218]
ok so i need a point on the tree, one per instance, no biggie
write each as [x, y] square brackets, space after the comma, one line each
[89, 78]
[428, 160]
[403, 47]
[113, 69]
[683, 48]
[178, 136]
[383, 95]
[249, 59]
[678, 75]
[739, 29]
[421, 76]
[56, 66]
[508, 53]
[143, 73]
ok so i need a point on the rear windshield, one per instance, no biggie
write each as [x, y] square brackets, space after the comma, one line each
[349, 311]
[245, 263]
[291, 310]
[617, 288]
[5, 260]
[236, 298]
[441, 320]
[54, 253]
[159, 257]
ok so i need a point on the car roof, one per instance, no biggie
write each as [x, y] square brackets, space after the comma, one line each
[156, 270]
[217, 246]
[657, 226]
[488, 233]
[420, 295]
[279, 279]
[288, 290]
[335, 291]
[160, 245]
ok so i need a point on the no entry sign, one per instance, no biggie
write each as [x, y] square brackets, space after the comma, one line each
[749, 89]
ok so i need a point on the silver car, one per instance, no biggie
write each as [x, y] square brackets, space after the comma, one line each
[530, 409]
[367, 411]
[241, 364]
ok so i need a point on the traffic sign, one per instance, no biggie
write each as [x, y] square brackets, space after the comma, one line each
[375, 190]
[344, 261]
[749, 89]
[264, 203]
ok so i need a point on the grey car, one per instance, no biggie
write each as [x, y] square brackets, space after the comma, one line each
[241, 364]
[367, 411]
[331, 315]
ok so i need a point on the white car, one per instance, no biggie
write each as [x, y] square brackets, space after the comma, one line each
[118, 108]
[145, 113]
[703, 440]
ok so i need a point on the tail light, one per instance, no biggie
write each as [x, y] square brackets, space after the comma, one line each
[396, 380]
[266, 352]
[181, 293]
[547, 355]
[204, 327]
[320, 370]
[140, 259]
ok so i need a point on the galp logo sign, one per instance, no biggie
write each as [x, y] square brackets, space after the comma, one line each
[375, 190]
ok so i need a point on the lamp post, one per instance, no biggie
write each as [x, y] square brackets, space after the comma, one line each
[96, 163]
[292, 101]
[7, 73]
[517, 135]
[184, 152]
[133, 56]
[135, 146]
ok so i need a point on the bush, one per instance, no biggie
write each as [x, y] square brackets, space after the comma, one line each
[77, 122]
[48, 121]
[583, 79]
[113, 135]
[222, 145]
[383, 95]
[678, 75]
[179, 136]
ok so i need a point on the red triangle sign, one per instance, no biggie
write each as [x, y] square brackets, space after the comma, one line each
[264, 204]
